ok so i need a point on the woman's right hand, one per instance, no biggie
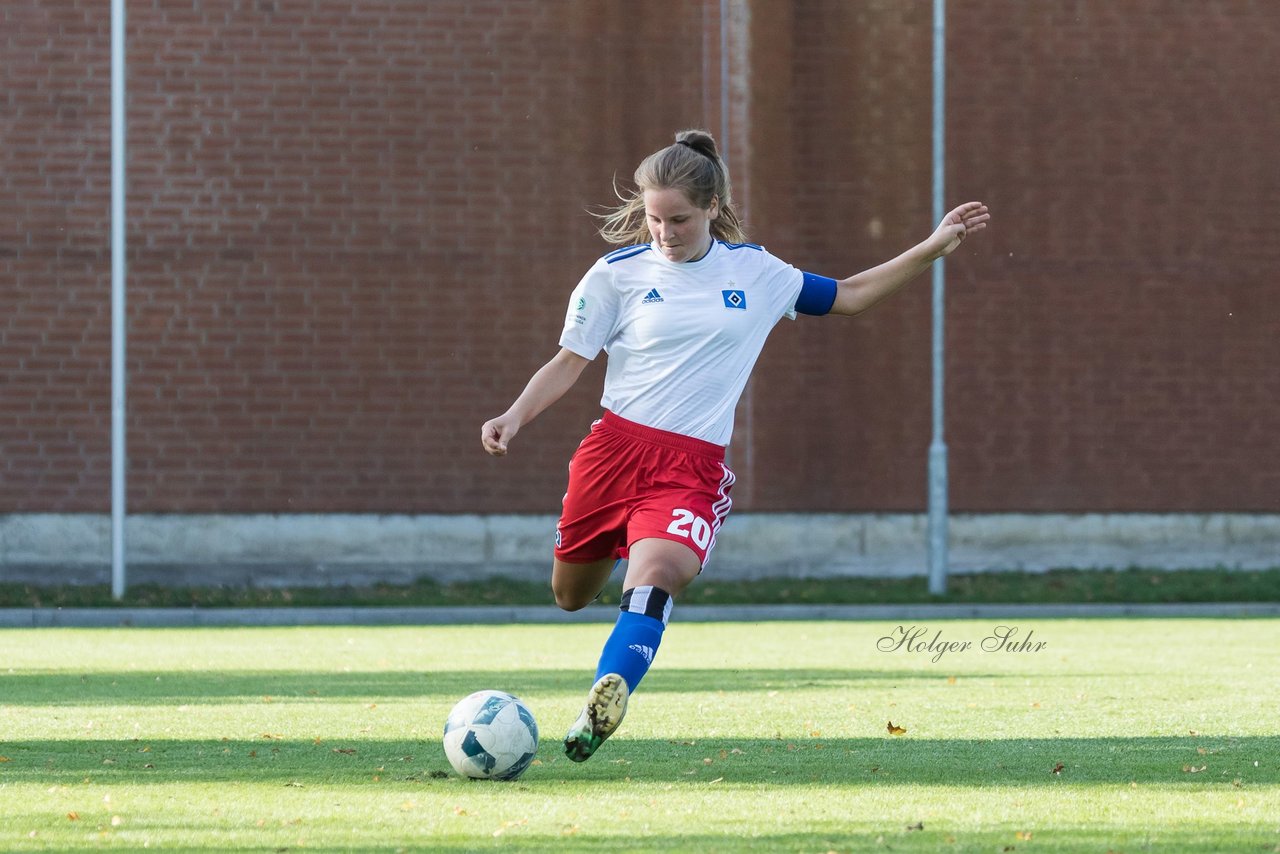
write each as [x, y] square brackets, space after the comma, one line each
[497, 432]
[545, 387]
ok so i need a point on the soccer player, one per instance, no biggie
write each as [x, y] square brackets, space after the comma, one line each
[683, 310]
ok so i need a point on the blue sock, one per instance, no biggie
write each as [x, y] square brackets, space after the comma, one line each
[631, 647]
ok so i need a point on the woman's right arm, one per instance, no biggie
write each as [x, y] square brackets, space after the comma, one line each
[545, 387]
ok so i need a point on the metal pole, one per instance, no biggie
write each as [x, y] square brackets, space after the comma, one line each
[938, 448]
[118, 580]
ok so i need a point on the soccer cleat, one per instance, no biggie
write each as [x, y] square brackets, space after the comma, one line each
[606, 706]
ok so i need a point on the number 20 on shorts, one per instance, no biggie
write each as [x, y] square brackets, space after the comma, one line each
[691, 527]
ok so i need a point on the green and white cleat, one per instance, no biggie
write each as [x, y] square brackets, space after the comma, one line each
[606, 706]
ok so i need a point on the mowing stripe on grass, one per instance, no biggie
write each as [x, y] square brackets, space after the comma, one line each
[493, 615]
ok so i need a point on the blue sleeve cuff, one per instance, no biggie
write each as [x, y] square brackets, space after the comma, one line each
[817, 295]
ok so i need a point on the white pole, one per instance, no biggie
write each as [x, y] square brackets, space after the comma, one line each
[938, 448]
[117, 301]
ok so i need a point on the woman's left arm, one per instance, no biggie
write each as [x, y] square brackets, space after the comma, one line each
[856, 294]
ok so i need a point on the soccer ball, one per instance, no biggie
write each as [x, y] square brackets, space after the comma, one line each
[490, 735]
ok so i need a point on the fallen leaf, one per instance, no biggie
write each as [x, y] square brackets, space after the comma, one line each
[1023, 835]
[896, 730]
[1191, 769]
[919, 825]
[1057, 769]
[346, 751]
[5, 759]
[73, 816]
[951, 680]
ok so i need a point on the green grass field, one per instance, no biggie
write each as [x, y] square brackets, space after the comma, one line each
[1116, 735]
[1133, 586]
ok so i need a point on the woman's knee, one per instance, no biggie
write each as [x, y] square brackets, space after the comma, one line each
[662, 563]
[571, 600]
[575, 586]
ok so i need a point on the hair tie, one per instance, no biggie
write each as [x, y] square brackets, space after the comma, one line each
[691, 147]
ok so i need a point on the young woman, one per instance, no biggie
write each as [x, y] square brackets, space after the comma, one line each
[683, 310]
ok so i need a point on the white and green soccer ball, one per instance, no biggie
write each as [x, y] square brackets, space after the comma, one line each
[490, 735]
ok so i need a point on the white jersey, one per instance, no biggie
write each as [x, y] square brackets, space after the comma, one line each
[682, 337]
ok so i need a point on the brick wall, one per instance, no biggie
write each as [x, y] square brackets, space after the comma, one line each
[353, 228]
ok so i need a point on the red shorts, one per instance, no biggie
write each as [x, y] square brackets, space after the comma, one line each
[628, 482]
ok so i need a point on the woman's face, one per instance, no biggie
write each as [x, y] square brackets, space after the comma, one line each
[681, 229]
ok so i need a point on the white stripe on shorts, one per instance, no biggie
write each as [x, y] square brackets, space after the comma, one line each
[720, 509]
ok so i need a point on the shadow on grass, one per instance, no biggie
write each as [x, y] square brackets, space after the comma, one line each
[1189, 760]
[927, 836]
[165, 687]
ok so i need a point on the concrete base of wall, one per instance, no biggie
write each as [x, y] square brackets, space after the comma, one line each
[320, 550]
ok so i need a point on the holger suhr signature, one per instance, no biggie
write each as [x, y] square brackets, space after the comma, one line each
[917, 639]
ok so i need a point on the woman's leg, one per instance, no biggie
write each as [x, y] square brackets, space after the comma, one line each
[657, 570]
[665, 564]
[576, 585]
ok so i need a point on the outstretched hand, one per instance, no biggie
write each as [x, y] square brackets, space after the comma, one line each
[955, 226]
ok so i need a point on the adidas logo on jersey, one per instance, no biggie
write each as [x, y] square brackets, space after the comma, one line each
[652, 296]
[646, 651]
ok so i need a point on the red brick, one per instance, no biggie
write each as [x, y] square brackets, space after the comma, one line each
[353, 231]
